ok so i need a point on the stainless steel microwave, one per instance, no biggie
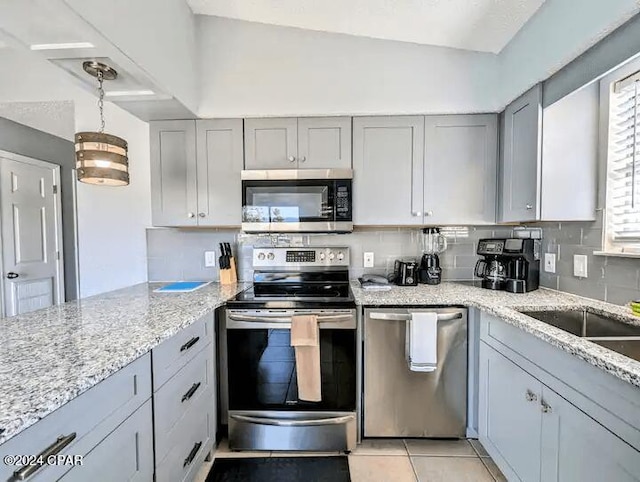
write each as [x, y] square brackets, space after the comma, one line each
[297, 201]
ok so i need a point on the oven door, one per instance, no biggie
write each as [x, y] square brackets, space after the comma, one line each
[295, 205]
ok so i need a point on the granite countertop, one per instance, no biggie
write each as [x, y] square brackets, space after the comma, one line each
[507, 305]
[51, 356]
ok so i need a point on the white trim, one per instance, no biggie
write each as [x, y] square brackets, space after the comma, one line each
[55, 168]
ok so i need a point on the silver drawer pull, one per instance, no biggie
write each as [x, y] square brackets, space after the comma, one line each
[407, 317]
[54, 449]
[277, 319]
[192, 454]
[190, 343]
[530, 396]
[279, 422]
[190, 392]
[546, 408]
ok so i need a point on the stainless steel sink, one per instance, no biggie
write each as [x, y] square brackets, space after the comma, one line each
[585, 323]
[627, 346]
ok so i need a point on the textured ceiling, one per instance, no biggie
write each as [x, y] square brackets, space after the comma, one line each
[483, 25]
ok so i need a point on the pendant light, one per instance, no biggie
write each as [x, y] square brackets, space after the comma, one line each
[101, 158]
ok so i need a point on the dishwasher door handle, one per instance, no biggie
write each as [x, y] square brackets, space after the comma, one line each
[407, 316]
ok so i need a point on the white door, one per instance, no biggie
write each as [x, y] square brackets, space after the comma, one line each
[31, 236]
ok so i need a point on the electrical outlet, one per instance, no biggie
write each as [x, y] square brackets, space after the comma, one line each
[368, 260]
[550, 262]
[580, 265]
[209, 259]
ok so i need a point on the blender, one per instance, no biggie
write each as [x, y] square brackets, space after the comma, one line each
[433, 243]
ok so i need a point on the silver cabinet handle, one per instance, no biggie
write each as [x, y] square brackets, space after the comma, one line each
[278, 422]
[530, 396]
[303, 159]
[416, 213]
[192, 454]
[190, 343]
[54, 449]
[292, 159]
[529, 206]
[191, 215]
[12, 275]
[202, 215]
[190, 392]
[546, 408]
[429, 213]
[407, 317]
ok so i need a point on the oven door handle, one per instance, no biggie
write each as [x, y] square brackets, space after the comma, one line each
[294, 423]
[407, 317]
[276, 319]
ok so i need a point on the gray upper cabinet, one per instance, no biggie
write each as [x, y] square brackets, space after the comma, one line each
[303, 143]
[460, 171]
[324, 142]
[388, 160]
[173, 173]
[271, 143]
[219, 164]
[195, 172]
[522, 139]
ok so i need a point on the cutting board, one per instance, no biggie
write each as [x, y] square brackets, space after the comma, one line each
[182, 287]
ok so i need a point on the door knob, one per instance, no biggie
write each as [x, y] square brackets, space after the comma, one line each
[191, 215]
[12, 275]
[292, 159]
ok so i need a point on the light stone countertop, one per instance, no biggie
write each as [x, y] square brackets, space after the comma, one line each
[51, 356]
[506, 306]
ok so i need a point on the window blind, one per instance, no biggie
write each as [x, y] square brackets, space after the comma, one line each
[623, 187]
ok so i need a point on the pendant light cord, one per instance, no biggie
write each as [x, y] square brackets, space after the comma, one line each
[101, 100]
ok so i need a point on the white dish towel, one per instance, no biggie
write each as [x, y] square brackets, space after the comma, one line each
[421, 342]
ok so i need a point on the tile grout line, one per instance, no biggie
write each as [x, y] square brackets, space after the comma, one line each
[487, 469]
[413, 467]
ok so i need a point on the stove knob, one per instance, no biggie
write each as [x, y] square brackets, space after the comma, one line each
[340, 256]
[270, 256]
[322, 256]
[260, 256]
[331, 255]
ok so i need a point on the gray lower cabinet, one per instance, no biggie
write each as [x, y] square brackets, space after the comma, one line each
[522, 138]
[195, 172]
[388, 165]
[460, 169]
[298, 143]
[538, 433]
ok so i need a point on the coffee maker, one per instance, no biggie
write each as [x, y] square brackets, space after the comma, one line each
[511, 264]
[433, 243]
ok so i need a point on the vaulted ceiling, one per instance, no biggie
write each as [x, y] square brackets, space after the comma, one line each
[482, 25]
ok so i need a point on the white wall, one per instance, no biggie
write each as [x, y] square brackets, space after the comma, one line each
[111, 221]
[558, 32]
[251, 69]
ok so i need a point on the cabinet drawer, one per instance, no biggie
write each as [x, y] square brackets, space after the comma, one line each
[177, 351]
[179, 395]
[84, 421]
[126, 454]
[190, 444]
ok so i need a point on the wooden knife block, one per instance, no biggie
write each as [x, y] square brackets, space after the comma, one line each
[229, 276]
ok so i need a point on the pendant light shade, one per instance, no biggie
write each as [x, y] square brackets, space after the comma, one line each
[101, 158]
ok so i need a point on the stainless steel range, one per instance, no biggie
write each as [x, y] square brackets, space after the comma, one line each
[260, 381]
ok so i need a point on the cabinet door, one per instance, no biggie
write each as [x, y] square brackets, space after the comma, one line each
[174, 199]
[510, 417]
[577, 448]
[324, 142]
[220, 163]
[460, 169]
[271, 143]
[388, 160]
[520, 181]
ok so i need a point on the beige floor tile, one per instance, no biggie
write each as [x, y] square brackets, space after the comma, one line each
[203, 472]
[380, 446]
[447, 448]
[477, 446]
[449, 469]
[494, 470]
[223, 452]
[372, 468]
[276, 453]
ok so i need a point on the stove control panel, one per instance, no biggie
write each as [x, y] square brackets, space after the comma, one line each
[294, 257]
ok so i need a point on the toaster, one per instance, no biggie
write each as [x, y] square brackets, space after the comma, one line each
[405, 273]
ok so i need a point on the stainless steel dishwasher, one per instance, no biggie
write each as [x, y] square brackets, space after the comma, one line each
[402, 403]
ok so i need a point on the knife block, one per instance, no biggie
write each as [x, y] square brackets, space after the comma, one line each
[229, 276]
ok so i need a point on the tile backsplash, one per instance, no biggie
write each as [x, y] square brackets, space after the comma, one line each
[178, 254]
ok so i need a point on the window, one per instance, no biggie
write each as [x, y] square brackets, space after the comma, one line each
[623, 167]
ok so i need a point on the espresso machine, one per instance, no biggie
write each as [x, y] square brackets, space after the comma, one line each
[511, 264]
[433, 243]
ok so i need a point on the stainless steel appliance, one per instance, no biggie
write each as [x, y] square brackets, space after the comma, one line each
[511, 264]
[259, 384]
[405, 273]
[297, 200]
[433, 243]
[403, 403]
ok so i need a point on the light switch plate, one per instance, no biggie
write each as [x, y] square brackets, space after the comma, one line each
[580, 265]
[368, 260]
[209, 259]
[550, 262]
